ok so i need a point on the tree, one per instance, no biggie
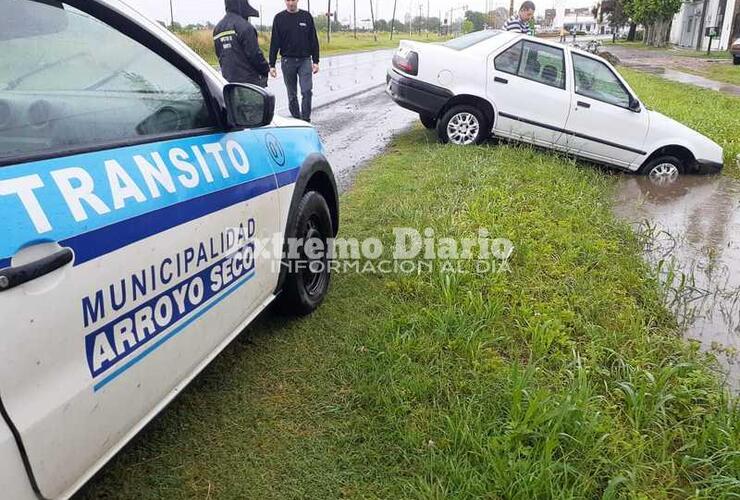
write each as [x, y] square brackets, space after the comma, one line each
[467, 26]
[477, 18]
[655, 15]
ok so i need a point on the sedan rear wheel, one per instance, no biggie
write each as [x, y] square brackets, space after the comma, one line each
[463, 125]
[664, 170]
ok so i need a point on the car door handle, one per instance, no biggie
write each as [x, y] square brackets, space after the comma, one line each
[583, 104]
[498, 79]
[11, 277]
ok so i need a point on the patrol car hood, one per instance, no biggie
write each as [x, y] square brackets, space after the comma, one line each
[241, 8]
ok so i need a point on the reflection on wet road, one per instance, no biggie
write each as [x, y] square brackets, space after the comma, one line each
[692, 230]
[357, 129]
[339, 77]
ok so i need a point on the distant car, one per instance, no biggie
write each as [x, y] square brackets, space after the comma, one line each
[542, 92]
[735, 50]
[141, 195]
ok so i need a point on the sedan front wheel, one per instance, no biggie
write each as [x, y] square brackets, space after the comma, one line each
[463, 125]
[664, 170]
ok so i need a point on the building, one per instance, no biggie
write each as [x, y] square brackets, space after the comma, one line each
[578, 18]
[688, 26]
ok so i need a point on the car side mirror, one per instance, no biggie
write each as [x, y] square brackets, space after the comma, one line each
[634, 105]
[248, 106]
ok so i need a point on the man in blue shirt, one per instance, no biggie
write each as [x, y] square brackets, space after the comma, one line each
[519, 22]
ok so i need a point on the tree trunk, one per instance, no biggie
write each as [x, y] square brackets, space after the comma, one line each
[632, 32]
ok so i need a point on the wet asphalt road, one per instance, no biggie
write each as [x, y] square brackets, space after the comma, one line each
[352, 113]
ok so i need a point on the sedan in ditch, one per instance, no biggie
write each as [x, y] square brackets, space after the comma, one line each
[533, 90]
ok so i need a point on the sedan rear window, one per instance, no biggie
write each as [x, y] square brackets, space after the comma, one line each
[471, 39]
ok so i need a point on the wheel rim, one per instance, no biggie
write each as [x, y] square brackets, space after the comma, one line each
[664, 173]
[463, 128]
[314, 271]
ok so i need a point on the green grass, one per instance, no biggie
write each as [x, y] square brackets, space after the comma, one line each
[341, 43]
[728, 73]
[714, 114]
[563, 377]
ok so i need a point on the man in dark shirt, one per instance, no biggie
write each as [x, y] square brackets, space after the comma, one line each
[294, 35]
[238, 52]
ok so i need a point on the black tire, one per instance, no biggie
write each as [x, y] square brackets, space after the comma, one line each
[735, 59]
[307, 281]
[428, 121]
[463, 112]
[664, 170]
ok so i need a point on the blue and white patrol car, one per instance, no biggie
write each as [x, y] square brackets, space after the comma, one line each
[136, 187]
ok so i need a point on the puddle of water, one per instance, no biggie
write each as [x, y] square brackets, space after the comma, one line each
[680, 76]
[692, 235]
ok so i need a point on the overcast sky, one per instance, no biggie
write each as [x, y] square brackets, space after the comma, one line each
[192, 11]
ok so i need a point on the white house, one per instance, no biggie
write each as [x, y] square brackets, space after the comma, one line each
[723, 14]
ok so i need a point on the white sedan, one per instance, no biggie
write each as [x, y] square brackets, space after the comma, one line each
[528, 89]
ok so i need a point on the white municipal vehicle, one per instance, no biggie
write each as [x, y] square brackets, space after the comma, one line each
[538, 91]
[136, 185]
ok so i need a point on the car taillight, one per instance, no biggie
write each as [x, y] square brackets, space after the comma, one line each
[407, 61]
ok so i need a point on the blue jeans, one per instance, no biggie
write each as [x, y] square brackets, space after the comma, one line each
[294, 70]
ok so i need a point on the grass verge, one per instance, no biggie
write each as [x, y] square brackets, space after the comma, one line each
[341, 43]
[727, 73]
[709, 112]
[563, 377]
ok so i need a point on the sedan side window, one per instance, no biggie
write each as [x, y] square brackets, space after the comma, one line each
[543, 64]
[85, 84]
[508, 60]
[534, 61]
[594, 79]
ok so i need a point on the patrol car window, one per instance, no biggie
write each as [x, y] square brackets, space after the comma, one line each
[508, 60]
[85, 84]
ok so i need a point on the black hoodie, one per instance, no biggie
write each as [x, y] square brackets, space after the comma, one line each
[236, 44]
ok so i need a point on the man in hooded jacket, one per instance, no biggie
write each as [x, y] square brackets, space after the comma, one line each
[237, 48]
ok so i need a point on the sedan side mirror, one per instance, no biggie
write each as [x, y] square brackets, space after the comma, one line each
[634, 105]
[248, 106]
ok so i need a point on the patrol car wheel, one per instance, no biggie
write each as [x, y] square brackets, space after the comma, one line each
[462, 125]
[428, 121]
[308, 272]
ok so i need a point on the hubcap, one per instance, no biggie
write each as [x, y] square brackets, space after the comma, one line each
[664, 173]
[314, 272]
[463, 128]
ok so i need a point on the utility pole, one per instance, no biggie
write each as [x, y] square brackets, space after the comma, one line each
[511, 8]
[393, 19]
[354, 10]
[372, 18]
[262, 25]
[172, 17]
[427, 22]
[328, 22]
[421, 16]
[309, 6]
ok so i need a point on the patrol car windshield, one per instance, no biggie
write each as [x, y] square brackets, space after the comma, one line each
[81, 83]
[471, 39]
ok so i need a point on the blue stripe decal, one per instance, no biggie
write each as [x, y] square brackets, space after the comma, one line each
[118, 372]
[89, 246]
[287, 177]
